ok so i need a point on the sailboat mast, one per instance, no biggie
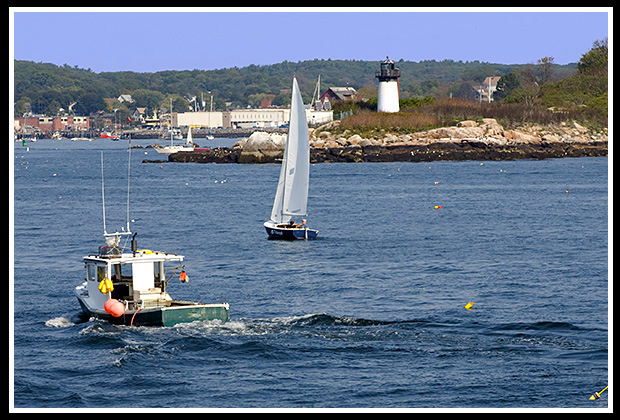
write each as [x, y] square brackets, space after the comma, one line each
[285, 157]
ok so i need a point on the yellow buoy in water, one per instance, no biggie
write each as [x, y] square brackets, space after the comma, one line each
[597, 395]
[469, 306]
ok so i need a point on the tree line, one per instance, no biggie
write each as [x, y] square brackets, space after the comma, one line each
[43, 88]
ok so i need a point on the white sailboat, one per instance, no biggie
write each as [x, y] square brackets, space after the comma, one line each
[291, 198]
[189, 145]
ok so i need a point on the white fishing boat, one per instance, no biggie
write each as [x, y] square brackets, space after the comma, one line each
[130, 287]
[291, 198]
[188, 147]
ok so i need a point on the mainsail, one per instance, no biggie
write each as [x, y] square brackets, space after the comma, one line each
[189, 140]
[292, 193]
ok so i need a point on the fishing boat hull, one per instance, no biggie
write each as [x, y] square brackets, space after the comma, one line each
[288, 233]
[177, 312]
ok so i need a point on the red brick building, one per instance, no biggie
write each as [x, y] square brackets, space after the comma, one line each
[55, 123]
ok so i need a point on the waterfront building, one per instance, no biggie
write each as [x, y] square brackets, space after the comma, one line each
[43, 123]
[335, 94]
[200, 119]
[246, 118]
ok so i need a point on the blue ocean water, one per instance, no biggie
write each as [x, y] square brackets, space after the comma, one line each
[369, 315]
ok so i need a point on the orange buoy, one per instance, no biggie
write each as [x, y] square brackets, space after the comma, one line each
[114, 307]
[183, 277]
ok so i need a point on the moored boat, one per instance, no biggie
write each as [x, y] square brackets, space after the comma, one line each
[110, 136]
[189, 145]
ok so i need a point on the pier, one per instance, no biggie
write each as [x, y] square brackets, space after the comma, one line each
[163, 134]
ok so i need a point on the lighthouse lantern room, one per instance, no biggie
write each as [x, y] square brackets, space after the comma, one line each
[388, 87]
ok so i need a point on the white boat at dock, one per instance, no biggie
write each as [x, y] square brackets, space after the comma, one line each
[188, 147]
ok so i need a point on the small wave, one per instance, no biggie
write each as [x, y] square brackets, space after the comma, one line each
[347, 321]
[538, 326]
[67, 321]
[59, 322]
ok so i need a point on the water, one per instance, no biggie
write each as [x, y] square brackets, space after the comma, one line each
[369, 315]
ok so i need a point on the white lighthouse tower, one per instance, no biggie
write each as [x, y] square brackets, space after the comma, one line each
[388, 87]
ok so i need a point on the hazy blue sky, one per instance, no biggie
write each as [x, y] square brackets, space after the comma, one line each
[186, 39]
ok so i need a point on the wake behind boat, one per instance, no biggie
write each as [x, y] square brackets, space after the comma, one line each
[291, 198]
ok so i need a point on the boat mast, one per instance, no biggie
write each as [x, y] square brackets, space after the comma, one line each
[286, 149]
[103, 195]
[128, 179]
[317, 93]
[116, 235]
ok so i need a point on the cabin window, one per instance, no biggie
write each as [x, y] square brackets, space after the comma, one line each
[121, 272]
[122, 279]
[159, 274]
[101, 273]
[91, 272]
[95, 272]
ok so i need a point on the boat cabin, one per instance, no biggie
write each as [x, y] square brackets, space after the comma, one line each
[138, 278]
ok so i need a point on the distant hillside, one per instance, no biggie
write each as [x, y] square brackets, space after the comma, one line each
[44, 87]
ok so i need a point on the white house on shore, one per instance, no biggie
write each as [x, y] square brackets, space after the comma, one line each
[485, 91]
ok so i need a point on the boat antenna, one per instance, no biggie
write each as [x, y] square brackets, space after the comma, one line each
[103, 195]
[124, 232]
[128, 179]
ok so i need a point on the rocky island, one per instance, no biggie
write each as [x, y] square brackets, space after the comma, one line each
[468, 140]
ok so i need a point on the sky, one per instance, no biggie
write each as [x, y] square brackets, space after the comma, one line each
[157, 39]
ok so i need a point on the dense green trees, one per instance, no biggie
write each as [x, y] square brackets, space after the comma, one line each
[47, 84]
[50, 89]
[583, 93]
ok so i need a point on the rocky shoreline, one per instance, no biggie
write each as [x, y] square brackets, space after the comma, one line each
[469, 140]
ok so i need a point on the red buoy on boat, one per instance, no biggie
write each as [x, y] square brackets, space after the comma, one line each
[114, 307]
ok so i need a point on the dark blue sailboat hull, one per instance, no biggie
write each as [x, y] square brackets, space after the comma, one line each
[291, 233]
